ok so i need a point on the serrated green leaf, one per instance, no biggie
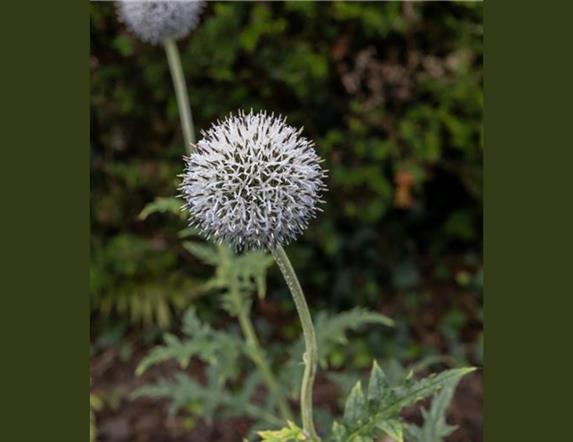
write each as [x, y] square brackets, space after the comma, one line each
[393, 428]
[162, 205]
[338, 432]
[355, 406]
[435, 427]
[376, 417]
[214, 347]
[205, 252]
[193, 327]
[288, 434]
[417, 390]
[331, 331]
[377, 385]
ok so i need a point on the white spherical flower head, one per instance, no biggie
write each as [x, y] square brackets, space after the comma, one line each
[253, 182]
[156, 21]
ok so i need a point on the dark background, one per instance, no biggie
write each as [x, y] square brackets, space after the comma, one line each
[390, 92]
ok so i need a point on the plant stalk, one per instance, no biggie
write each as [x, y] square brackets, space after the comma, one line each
[178, 78]
[258, 357]
[260, 361]
[310, 357]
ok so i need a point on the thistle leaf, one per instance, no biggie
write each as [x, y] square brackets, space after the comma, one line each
[331, 331]
[204, 252]
[363, 421]
[393, 428]
[414, 390]
[377, 385]
[435, 427]
[287, 434]
[211, 346]
[162, 205]
[355, 406]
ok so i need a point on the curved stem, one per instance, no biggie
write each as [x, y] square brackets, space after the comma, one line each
[181, 93]
[310, 357]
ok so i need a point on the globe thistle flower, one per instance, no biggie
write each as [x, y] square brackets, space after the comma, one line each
[253, 182]
[157, 21]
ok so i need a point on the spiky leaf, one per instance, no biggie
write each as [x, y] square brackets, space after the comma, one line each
[355, 406]
[205, 252]
[435, 427]
[211, 346]
[377, 385]
[393, 428]
[331, 331]
[382, 414]
[163, 205]
[287, 434]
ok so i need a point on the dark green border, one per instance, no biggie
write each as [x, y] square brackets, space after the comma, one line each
[44, 185]
[528, 221]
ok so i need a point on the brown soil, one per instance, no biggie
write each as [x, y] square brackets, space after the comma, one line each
[122, 419]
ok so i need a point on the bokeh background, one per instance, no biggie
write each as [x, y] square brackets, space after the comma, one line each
[391, 93]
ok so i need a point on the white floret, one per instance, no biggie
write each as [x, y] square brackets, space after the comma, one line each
[253, 182]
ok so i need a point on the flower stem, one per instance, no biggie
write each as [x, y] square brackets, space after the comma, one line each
[310, 357]
[181, 93]
[245, 322]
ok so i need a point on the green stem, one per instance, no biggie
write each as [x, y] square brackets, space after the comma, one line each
[310, 357]
[259, 359]
[257, 354]
[181, 93]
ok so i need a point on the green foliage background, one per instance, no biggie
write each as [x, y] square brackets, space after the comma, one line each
[391, 93]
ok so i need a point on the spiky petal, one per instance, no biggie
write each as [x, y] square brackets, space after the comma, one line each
[253, 182]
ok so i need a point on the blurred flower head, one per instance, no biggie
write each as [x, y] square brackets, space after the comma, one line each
[253, 182]
[156, 21]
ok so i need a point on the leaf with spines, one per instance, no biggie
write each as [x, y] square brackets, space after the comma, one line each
[331, 331]
[186, 393]
[415, 390]
[209, 345]
[355, 406]
[381, 413]
[181, 390]
[435, 427]
[236, 276]
[173, 349]
[334, 328]
[393, 428]
[378, 384]
[205, 252]
[251, 270]
[291, 433]
[163, 205]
